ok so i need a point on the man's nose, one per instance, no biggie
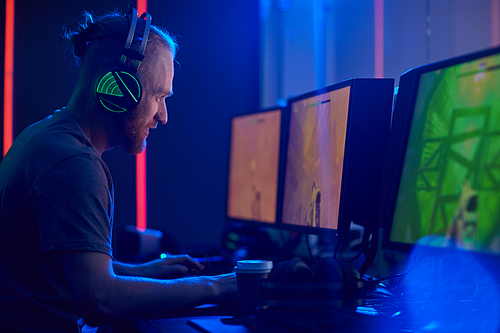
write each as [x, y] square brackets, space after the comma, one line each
[162, 115]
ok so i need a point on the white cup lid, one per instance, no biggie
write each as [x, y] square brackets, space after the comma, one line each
[253, 266]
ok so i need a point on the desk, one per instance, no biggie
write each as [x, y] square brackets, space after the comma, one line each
[208, 324]
[207, 318]
[210, 320]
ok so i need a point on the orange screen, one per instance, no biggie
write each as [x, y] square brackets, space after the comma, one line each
[253, 171]
[315, 159]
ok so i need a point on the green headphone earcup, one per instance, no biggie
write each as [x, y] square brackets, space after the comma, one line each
[117, 89]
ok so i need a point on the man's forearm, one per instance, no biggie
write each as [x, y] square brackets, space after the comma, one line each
[102, 296]
[165, 268]
[124, 269]
[131, 296]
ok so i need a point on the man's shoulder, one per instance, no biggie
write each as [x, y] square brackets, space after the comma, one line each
[47, 143]
[55, 138]
[59, 130]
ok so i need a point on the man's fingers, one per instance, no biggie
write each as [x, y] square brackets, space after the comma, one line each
[184, 260]
[178, 270]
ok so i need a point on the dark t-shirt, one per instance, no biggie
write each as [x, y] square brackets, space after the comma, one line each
[56, 193]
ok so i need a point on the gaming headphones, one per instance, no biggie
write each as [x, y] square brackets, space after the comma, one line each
[119, 88]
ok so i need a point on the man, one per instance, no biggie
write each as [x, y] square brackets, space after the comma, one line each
[56, 208]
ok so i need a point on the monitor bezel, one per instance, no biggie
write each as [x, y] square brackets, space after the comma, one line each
[404, 108]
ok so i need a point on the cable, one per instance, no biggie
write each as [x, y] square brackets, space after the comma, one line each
[371, 249]
[311, 255]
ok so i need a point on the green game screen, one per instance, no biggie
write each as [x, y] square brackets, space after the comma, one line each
[449, 194]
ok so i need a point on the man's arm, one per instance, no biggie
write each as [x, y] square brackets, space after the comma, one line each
[167, 268]
[101, 296]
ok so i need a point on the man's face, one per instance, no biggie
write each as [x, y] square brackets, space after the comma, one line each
[134, 126]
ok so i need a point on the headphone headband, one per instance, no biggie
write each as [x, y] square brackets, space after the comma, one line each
[133, 17]
[137, 38]
[146, 32]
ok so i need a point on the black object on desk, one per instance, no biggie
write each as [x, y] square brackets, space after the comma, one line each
[218, 325]
[177, 320]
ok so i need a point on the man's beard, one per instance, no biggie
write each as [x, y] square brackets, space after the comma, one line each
[131, 134]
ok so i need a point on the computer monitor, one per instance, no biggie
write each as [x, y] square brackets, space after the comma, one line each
[337, 139]
[253, 169]
[444, 157]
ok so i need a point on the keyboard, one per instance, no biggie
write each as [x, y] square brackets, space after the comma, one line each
[217, 269]
[214, 266]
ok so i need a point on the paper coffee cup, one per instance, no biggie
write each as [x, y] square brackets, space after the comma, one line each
[249, 273]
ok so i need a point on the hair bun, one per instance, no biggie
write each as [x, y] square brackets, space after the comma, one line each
[80, 40]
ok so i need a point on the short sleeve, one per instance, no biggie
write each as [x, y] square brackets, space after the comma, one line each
[74, 206]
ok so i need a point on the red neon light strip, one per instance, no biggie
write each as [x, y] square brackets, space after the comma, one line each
[140, 181]
[8, 78]
[379, 38]
[142, 6]
[140, 165]
[495, 23]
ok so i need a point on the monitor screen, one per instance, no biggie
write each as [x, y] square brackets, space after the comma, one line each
[445, 185]
[336, 141]
[253, 169]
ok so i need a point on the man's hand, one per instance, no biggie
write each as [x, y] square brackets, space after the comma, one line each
[226, 289]
[170, 267]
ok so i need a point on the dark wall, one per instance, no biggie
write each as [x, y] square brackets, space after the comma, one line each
[44, 73]
[217, 77]
[355, 46]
